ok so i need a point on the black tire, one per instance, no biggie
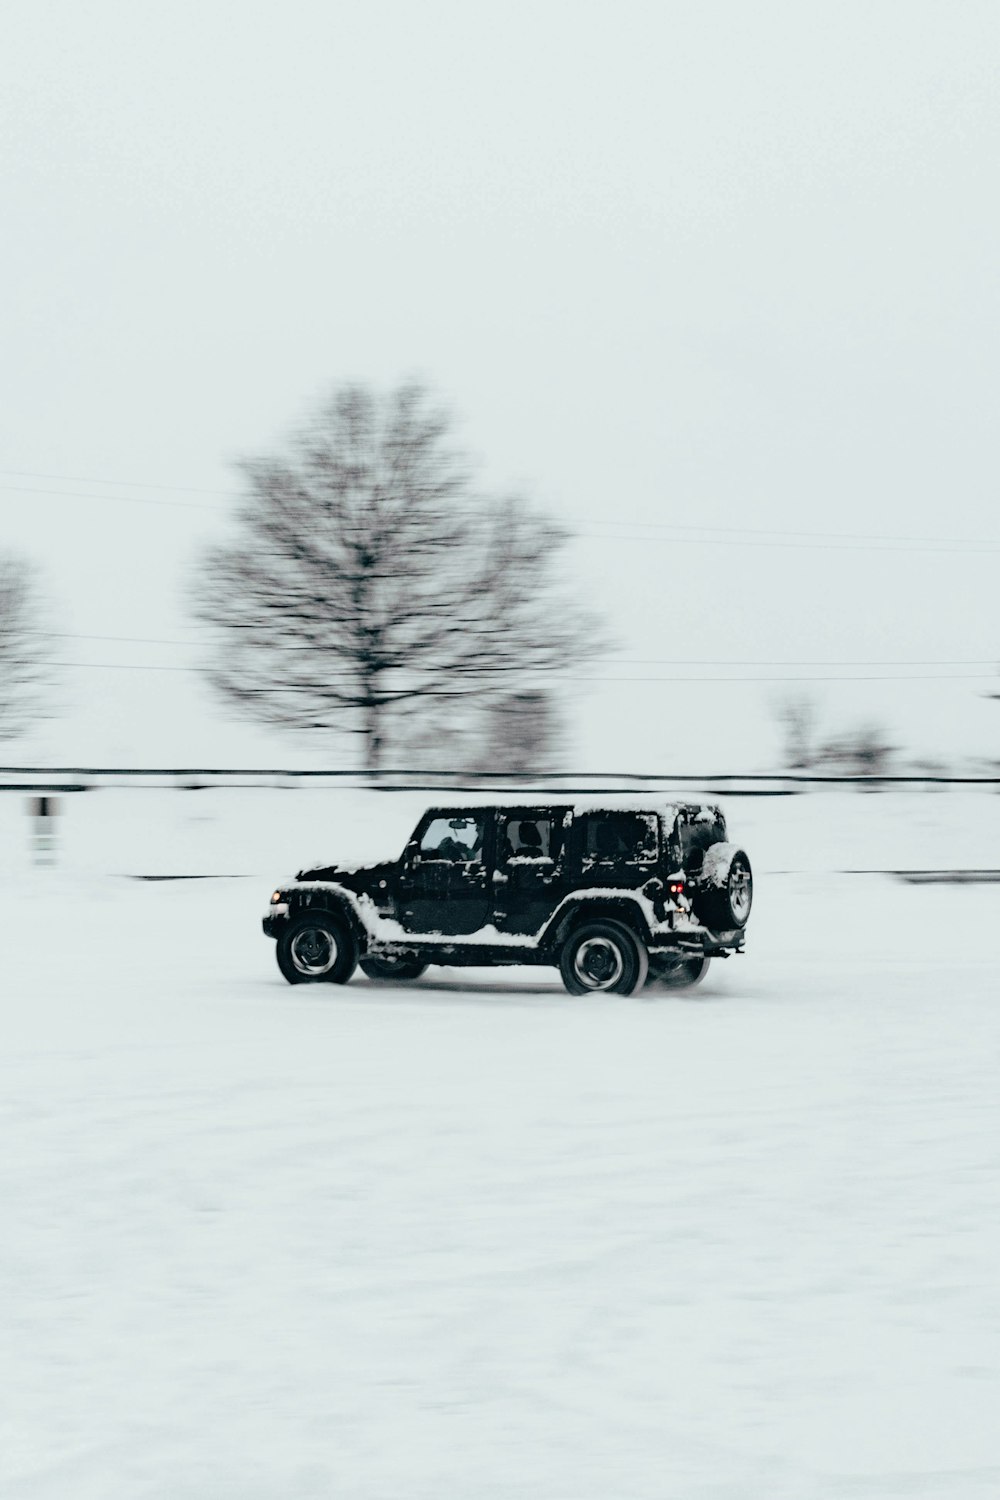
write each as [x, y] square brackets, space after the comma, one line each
[603, 957]
[317, 947]
[727, 906]
[676, 973]
[386, 969]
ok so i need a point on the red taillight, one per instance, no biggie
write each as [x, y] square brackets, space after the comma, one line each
[678, 889]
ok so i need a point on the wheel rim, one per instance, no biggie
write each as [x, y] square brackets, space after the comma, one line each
[313, 950]
[598, 963]
[740, 891]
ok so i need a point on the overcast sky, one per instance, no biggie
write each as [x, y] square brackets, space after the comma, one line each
[709, 265]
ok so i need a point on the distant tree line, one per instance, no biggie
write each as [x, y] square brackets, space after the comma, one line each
[370, 587]
[860, 751]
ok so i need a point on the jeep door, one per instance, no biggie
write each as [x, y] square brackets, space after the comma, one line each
[443, 880]
[530, 876]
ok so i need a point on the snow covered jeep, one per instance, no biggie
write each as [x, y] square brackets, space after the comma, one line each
[615, 897]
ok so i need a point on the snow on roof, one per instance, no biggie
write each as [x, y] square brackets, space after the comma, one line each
[624, 802]
[595, 802]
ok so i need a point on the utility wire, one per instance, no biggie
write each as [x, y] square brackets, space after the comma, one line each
[132, 484]
[781, 531]
[908, 677]
[136, 640]
[616, 530]
[674, 661]
[669, 526]
[122, 666]
[981, 548]
[125, 666]
[625, 661]
[113, 499]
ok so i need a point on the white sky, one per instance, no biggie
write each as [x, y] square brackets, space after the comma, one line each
[714, 264]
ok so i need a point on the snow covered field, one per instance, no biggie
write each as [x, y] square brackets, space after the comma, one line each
[471, 1237]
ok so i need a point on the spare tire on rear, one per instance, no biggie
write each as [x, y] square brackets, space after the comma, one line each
[725, 888]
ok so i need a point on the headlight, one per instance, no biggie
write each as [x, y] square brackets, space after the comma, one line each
[275, 897]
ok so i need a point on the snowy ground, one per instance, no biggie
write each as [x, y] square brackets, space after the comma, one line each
[474, 1238]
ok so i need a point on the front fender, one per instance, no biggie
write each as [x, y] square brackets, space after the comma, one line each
[328, 896]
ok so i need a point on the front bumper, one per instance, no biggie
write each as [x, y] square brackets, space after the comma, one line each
[275, 918]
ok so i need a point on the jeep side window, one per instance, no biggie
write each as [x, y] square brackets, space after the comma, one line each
[628, 837]
[454, 839]
[527, 840]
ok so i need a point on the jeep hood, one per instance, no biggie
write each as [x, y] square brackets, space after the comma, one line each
[354, 877]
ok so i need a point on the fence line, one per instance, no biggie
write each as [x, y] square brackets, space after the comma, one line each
[47, 778]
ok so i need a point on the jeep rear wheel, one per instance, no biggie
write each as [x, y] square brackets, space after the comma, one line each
[385, 968]
[603, 956]
[317, 946]
[677, 973]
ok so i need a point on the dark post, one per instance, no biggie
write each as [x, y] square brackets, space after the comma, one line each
[44, 811]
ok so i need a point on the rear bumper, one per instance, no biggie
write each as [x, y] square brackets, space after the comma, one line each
[699, 942]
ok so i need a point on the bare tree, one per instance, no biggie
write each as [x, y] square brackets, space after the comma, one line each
[369, 578]
[863, 751]
[798, 716]
[521, 733]
[25, 674]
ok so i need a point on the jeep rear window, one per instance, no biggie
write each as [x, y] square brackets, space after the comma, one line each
[630, 837]
[698, 830]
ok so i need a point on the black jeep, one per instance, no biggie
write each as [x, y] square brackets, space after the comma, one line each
[612, 896]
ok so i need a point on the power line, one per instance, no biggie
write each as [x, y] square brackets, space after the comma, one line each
[908, 677]
[625, 661]
[112, 499]
[126, 666]
[781, 531]
[938, 549]
[132, 484]
[123, 666]
[674, 661]
[136, 640]
[616, 530]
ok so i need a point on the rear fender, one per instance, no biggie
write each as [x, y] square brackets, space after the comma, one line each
[624, 908]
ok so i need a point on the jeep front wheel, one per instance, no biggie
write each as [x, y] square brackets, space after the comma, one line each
[317, 946]
[603, 956]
